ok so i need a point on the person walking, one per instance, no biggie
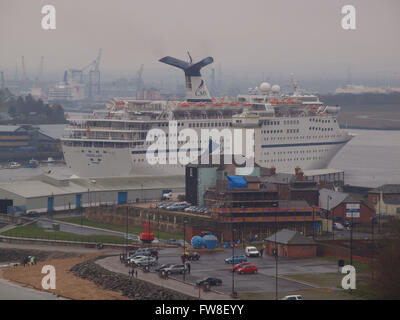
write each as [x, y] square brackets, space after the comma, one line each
[188, 267]
[136, 274]
[261, 252]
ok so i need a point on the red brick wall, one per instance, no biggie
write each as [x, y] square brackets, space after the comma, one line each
[366, 213]
[286, 251]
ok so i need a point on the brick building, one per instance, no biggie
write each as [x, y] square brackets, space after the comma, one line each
[385, 199]
[290, 244]
[334, 204]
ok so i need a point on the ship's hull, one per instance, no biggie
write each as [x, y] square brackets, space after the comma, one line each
[118, 162]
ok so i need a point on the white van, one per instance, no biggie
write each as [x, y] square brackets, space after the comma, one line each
[252, 252]
[338, 226]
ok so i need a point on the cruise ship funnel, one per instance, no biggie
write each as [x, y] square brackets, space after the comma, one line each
[196, 89]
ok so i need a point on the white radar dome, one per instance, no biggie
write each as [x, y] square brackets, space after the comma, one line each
[265, 87]
[276, 88]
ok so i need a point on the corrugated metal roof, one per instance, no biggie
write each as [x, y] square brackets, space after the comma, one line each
[8, 128]
[39, 187]
[387, 188]
[335, 198]
[286, 236]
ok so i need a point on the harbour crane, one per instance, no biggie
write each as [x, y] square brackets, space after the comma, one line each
[94, 74]
[37, 81]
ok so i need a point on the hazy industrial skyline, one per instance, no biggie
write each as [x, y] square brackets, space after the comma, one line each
[248, 38]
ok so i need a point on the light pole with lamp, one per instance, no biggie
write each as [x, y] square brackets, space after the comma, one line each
[233, 262]
[185, 221]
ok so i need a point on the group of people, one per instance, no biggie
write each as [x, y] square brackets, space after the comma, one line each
[133, 272]
[30, 260]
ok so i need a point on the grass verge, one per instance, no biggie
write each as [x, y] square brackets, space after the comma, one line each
[131, 229]
[48, 234]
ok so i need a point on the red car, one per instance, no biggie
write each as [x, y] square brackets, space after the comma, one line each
[239, 265]
[249, 268]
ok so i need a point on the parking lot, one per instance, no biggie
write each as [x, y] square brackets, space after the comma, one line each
[213, 265]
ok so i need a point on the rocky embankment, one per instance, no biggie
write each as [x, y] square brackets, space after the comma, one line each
[129, 287]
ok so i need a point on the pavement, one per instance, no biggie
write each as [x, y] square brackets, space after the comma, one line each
[11, 291]
[113, 264]
[213, 265]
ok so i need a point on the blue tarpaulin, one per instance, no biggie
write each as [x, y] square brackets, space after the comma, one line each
[235, 182]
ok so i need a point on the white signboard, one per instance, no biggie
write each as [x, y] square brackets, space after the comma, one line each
[352, 210]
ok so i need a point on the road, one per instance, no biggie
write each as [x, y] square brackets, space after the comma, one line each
[213, 265]
[11, 291]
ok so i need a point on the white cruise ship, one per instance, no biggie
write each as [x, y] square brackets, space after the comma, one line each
[291, 130]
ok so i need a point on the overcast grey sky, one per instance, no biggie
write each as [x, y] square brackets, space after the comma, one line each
[301, 36]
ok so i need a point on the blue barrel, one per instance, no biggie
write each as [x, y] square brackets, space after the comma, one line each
[211, 241]
[198, 242]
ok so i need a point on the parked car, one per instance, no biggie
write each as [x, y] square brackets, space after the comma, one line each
[249, 268]
[173, 242]
[163, 267]
[209, 281]
[252, 252]
[239, 265]
[183, 243]
[338, 226]
[193, 256]
[175, 268]
[141, 261]
[143, 252]
[294, 297]
[236, 259]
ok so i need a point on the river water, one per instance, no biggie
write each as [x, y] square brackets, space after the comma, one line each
[370, 159]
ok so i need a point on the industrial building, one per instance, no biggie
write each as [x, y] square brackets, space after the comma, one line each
[26, 142]
[49, 192]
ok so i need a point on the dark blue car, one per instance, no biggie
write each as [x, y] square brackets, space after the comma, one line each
[236, 259]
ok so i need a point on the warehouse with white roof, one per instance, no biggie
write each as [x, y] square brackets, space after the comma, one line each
[49, 192]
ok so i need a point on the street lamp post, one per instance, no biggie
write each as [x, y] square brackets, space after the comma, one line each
[313, 224]
[276, 257]
[184, 245]
[126, 233]
[233, 261]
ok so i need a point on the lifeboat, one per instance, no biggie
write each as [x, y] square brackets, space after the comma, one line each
[247, 105]
[185, 105]
[274, 101]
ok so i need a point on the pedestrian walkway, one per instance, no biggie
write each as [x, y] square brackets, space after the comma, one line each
[113, 264]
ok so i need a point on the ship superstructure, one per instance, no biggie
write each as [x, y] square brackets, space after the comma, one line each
[292, 130]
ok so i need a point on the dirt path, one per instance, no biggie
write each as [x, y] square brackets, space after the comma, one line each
[67, 284]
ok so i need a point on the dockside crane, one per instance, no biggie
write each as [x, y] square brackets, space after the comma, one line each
[94, 74]
[23, 72]
[140, 83]
[37, 80]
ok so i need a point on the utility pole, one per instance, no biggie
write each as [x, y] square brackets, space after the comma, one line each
[313, 224]
[184, 245]
[276, 257]
[126, 234]
[233, 261]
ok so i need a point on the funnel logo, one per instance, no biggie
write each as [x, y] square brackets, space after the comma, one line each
[200, 91]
